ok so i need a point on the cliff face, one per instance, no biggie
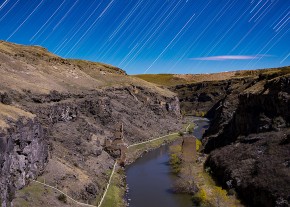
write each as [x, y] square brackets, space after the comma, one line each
[23, 152]
[202, 99]
[251, 151]
[261, 107]
[248, 140]
[73, 109]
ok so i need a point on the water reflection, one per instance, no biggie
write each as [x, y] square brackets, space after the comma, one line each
[150, 181]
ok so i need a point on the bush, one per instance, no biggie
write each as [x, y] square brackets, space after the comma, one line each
[200, 197]
[175, 149]
[232, 192]
[190, 130]
[198, 145]
[62, 198]
[180, 134]
[175, 162]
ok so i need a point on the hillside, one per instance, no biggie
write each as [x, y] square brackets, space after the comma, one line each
[64, 122]
[177, 79]
[59, 119]
[198, 93]
[24, 67]
[248, 139]
[171, 80]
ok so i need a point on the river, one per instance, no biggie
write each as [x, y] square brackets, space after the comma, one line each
[150, 179]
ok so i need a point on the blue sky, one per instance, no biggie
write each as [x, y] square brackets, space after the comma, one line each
[155, 36]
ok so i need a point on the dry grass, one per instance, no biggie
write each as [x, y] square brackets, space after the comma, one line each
[11, 113]
[162, 79]
[178, 79]
[35, 69]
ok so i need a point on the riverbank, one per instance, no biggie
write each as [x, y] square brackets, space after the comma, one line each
[116, 191]
[197, 181]
[137, 150]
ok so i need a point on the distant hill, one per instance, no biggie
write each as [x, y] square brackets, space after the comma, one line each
[178, 79]
[36, 69]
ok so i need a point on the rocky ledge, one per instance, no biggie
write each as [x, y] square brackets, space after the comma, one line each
[60, 122]
[248, 142]
[248, 139]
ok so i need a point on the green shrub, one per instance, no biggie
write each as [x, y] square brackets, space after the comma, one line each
[175, 162]
[200, 197]
[62, 198]
[198, 145]
[180, 134]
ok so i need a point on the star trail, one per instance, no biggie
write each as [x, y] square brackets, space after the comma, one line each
[155, 36]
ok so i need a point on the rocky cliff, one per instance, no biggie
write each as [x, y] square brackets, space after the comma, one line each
[68, 111]
[23, 151]
[248, 140]
[251, 150]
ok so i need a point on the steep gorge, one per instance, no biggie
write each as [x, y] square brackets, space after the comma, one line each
[248, 140]
[62, 116]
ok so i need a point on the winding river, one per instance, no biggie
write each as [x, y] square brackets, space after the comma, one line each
[150, 181]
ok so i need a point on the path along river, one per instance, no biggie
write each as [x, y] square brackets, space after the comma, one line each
[150, 181]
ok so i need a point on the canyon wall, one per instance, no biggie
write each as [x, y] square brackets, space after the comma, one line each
[59, 118]
[248, 140]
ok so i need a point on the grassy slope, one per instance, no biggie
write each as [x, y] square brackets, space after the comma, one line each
[33, 68]
[193, 173]
[8, 113]
[175, 79]
[162, 79]
[116, 191]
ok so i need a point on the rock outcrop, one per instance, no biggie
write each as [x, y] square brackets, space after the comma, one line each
[23, 151]
[74, 109]
[250, 149]
[248, 140]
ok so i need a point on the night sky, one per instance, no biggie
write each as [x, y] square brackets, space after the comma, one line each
[155, 36]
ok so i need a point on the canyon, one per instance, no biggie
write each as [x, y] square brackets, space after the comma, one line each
[60, 119]
[248, 139]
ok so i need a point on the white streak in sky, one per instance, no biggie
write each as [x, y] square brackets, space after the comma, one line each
[170, 43]
[80, 27]
[65, 15]
[255, 6]
[193, 42]
[226, 33]
[286, 21]
[263, 14]
[259, 10]
[92, 25]
[4, 4]
[285, 58]
[280, 17]
[105, 10]
[25, 20]
[268, 43]
[246, 35]
[227, 57]
[59, 47]
[281, 20]
[9, 10]
[47, 21]
[125, 20]
[128, 55]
